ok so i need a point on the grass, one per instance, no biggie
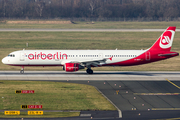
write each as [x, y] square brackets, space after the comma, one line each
[45, 115]
[76, 40]
[98, 25]
[52, 95]
[11, 41]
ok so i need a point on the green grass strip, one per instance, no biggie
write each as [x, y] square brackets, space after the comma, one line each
[52, 95]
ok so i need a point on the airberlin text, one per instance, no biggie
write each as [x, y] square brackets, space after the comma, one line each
[49, 56]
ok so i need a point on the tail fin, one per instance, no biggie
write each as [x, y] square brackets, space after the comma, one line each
[164, 42]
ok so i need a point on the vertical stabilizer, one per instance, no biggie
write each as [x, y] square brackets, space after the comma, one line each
[165, 41]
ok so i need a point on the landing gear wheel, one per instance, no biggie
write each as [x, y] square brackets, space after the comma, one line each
[89, 71]
[22, 71]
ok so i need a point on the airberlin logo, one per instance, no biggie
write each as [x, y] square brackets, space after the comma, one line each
[49, 56]
[166, 39]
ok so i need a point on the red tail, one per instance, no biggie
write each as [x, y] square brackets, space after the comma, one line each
[165, 41]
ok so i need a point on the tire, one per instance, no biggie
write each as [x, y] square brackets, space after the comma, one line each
[89, 71]
[22, 71]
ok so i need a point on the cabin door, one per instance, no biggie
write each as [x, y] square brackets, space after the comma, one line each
[148, 56]
[100, 56]
[22, 56]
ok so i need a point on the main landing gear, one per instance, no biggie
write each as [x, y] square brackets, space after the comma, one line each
[22, 70]
[89, 71]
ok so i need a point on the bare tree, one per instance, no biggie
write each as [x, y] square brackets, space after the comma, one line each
[90, 8]
[39, 6]
[93, 5]
[18, 8]
[4, 8]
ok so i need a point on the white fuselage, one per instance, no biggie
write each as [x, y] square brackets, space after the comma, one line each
[60, 57]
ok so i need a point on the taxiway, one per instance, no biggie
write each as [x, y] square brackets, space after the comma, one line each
[136, 94]
[98, 75]
[81, 30]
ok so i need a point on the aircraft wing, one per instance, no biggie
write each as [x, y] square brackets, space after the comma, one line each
[93, 62]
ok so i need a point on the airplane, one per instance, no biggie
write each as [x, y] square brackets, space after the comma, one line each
[74, 60]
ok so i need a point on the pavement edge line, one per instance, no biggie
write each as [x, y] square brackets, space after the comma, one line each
[119, 111]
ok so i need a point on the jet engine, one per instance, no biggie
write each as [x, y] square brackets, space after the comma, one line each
[71, 67]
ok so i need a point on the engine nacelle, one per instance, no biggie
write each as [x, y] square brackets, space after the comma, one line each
[71, 67]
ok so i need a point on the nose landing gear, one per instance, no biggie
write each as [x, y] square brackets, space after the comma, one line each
[22, 70]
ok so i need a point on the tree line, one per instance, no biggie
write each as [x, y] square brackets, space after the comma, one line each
[89, 9]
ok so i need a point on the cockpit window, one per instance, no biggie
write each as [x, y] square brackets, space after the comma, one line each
[11, 55]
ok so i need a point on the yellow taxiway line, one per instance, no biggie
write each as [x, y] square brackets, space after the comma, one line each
[173, 83]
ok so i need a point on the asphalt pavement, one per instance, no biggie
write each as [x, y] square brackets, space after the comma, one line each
[136, 97]
[80, 30]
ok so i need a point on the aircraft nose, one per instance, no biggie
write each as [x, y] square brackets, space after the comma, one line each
[4, 60]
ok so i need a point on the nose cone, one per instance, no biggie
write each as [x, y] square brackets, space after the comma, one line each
[4, 60]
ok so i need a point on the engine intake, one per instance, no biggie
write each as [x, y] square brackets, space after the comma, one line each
[71, 67]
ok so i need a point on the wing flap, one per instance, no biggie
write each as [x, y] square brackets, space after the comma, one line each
[93, 62]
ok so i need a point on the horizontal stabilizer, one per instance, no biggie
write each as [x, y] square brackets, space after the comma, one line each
[169, 54]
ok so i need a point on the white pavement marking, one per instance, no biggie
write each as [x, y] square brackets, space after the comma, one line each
[119, 111]
[82, 30]
[98, 75]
